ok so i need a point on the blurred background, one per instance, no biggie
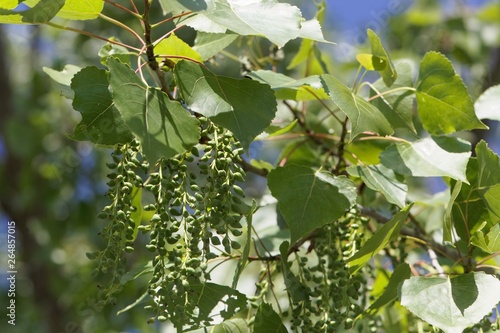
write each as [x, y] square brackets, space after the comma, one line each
[53, 187]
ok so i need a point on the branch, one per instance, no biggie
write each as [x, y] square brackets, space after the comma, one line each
[247, 167]
[153, 64]
[417, 234]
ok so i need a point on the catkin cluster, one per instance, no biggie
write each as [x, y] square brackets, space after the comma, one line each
[196, 207]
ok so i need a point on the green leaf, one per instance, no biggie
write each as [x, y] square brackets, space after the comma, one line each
[366, 60]
[285, 87]
[81, 9]
[136, 273]
[164, 127]
[246, 250]
[364, 116]
[489, 12]
[488, 104]
[444, 104]
[77, 9]
[42, 11]
[489, 243]
[208, 295]
[451, 305]
[429, 157]
[62, 79]
[234, 325]
[245, 107]
[464, 291]
[489, 179]
[101, 122]
[311, 29]
[469, 211]
[448, 215]
[397, 106]
[380, 178]
[134, 304]
[379, 240]
[390, 294]
[277, 131]
[304, 53]
[268, 321]
[207, 45]
[174, 46]
[488, 166]
[136, 215]
[491, 197]
[9, 4]
[297, 291]
[116, 51]
[478, 203]
[308, 48]
[177, 6]
[381, 60]
[278, 22]
[309, 199]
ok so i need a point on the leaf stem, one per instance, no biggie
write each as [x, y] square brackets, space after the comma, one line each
[170, 19]
[493, 255]
[178, 57]
[86, 33]
[381, 94]
[123, 26]
[385, 138]
[309, 90]
[156, 42]
[310, 133]
[135, 14]
[230, 55]
[356, 77]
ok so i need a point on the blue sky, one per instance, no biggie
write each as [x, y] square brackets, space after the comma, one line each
[356, 13]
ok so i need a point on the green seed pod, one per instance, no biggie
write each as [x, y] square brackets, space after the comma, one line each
[149, 207]
[238, 176]
[236, 232]
[238, 190]
[121, 215]
[215, 240]
[172, 240]
[92, 255]
[195, 151]
[111, 165]
[177, 202]
[349, 322]
[103, 215]
[174, 212]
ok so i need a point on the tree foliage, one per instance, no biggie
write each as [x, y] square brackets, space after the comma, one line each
[181, 132]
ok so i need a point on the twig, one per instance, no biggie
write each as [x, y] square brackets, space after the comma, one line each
[247, 167]
[86, 33]
[153, 64]
[123, 8]
[123, 26]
